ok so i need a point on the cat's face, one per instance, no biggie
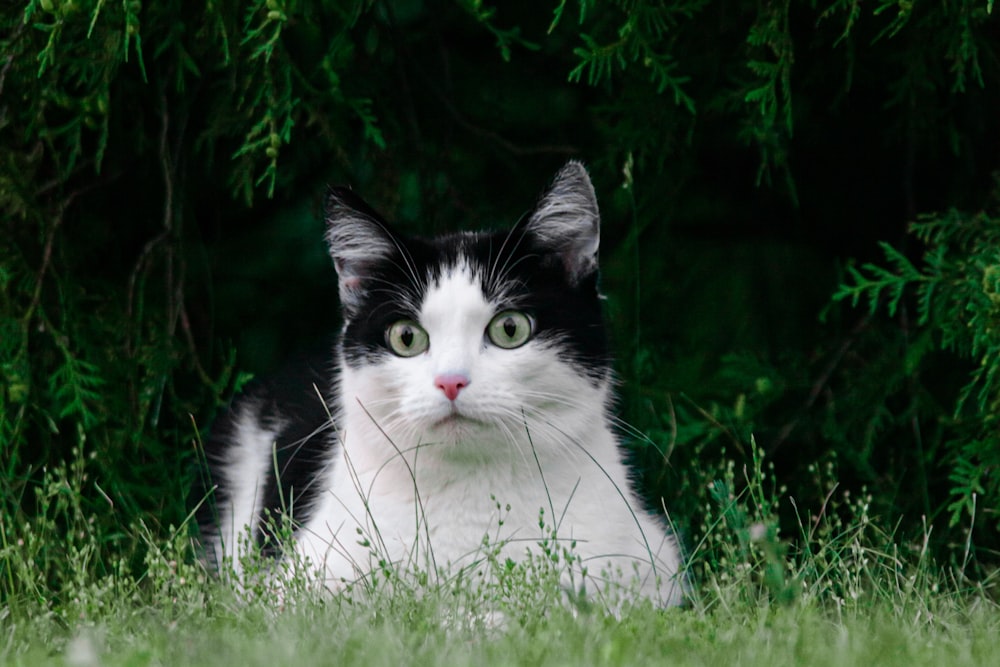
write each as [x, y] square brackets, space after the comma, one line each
[474, 334]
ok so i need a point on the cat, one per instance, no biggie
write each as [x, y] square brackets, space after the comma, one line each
[467, 398]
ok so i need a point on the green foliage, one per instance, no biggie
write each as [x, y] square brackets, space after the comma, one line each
[881, 283]
[771, 124]
[506, 38]
[105, 351]
[644, 37]
[957, 295]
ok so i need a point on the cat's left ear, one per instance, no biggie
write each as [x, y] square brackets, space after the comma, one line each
[359, 239]
[567, 221]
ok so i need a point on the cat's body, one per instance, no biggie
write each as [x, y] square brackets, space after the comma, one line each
[465, 409]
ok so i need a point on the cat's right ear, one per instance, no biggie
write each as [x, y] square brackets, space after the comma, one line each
[358, 239]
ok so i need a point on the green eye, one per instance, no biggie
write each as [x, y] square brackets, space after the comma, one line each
[509, 329]
[406, 338]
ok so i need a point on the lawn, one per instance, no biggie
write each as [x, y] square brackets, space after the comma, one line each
[926, 629]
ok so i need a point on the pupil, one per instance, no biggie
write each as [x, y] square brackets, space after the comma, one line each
[406, 337]
[509, 327]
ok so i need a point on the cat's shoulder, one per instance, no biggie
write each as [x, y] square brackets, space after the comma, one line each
[275, 436]
[291, 402]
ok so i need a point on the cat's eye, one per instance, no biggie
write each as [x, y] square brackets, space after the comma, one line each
[509, 329]
[406, 338]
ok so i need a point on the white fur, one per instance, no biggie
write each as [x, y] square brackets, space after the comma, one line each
[250, 461]
[417, 480]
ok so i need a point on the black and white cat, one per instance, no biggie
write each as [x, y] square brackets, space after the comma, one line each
[467, 398]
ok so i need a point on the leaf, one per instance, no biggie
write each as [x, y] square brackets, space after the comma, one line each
[75, 387]
[877, 283]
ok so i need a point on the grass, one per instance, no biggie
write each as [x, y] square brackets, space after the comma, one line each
[958, 632]
[842, 592]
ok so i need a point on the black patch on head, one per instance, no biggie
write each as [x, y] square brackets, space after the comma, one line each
[546, 266]
[534, 279]
[515, 271]
[395, 286]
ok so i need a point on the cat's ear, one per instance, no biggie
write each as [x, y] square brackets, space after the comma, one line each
[566, 220]
[358, 239]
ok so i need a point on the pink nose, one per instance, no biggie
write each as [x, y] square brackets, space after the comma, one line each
[451, 384]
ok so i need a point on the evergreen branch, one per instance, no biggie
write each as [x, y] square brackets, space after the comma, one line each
[640, 41]
[362, 108]
[904, 10]
[557, 13]
[47, 56]
[968, 481]
[505, 37]
[75, 385]
[268, 31]
[875, 282]
[852, 8]
[958, 301]
[274, 127]
[597, 61]
[133, 35]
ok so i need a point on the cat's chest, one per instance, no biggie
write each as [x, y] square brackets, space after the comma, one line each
[462, 502]
[462, 492]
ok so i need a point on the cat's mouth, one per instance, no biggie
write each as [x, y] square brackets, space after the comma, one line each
[457, 419]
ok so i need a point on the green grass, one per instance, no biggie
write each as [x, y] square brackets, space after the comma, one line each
[948, 631]
[80, 590]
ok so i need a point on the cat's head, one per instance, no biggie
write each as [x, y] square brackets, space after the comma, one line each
[475, 332]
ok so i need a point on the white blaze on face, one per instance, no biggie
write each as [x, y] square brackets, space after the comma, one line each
[455, 314]
[402, 393]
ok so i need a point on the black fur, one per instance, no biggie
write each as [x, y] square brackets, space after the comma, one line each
[290, 402]
[534, 282]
